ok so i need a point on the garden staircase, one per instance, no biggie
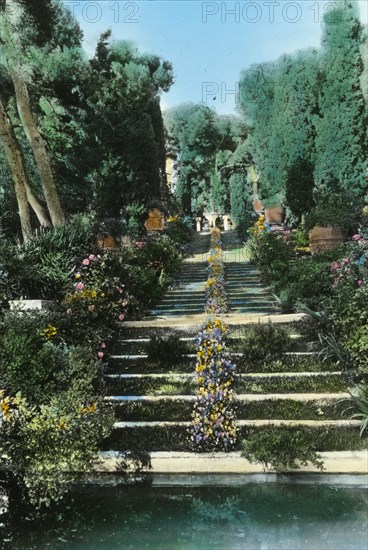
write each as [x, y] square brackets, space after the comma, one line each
[154, 400]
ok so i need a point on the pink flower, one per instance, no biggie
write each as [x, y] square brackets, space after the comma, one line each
[356, 237]
[79, 286]
[100, 354]
[124, 303]
[334, 266]
[345, 261]
[121, 317]
[103, 345]
[119, 289]
[91, 257]
[91, 307]
[140, 244]
[360, 282]
[69, 311]
[85, 262]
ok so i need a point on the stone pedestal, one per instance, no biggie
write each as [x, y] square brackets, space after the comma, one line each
[30, 305]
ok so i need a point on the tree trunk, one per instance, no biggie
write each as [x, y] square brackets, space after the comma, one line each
[39, 150]
[37, 207]
[14, 158]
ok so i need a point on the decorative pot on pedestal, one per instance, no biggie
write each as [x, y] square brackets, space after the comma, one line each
[275, 214]
[325, 238]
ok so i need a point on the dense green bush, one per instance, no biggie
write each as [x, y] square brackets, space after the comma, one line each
[263, 342]
[36, 361]
[179, 230]
[270, 253]
[282, 449]
[341, 211]
[52, 412]
[166, 348]
[40, 267]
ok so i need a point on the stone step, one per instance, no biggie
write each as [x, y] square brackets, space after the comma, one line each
[175, 436]
[244, 376]
[246, 423]
[247, 397]
[248, 407]
[186, 383]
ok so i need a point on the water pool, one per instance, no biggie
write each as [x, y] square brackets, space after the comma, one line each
[199, 514]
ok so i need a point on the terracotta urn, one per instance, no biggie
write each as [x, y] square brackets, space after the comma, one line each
[275, 214]
[326, 238]
[106, 241]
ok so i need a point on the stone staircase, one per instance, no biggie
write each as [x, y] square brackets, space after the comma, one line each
[154, 399]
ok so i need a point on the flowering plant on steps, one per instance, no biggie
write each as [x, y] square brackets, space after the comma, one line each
[213, 418]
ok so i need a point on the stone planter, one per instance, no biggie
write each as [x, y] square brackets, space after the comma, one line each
[275, 214]
[30, 305]
[325, 238]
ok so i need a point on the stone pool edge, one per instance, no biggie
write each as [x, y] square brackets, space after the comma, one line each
[163, 462]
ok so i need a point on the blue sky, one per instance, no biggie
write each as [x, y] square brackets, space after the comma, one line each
[208, 43]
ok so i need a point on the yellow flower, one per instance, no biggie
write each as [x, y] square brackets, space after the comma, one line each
[49, 331]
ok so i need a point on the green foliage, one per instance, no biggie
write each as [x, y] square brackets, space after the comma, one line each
[263, 342]
[299, 187]
[282, 449]
[361, 404]
[40, 268]
[341, 125]
[240, 203]
[179, 230]
[278, 101]
[33, 359]
[53, 415]
[341, 211]
[46, 449]
[270, 253]
[166, 349]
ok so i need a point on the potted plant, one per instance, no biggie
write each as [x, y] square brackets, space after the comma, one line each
[330, 222]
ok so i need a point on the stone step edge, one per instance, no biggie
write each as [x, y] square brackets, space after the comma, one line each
[242, 423]
[186, 375]
[165, 462]
[191, 355]
[303, 397]
[230, 318]
[238, 397]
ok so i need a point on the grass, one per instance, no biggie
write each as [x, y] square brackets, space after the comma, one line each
[287, 409]
[176, 438]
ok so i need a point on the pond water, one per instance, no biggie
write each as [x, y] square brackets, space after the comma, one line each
[202, 516]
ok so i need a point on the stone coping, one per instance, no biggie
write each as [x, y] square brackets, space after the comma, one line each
[338, 462]
[228, 318]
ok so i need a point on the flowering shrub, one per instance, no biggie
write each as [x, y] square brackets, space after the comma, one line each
[95, 304]
[213, 417]
[260, 226]
[354, 269]
[44, 449]
[215, 285]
